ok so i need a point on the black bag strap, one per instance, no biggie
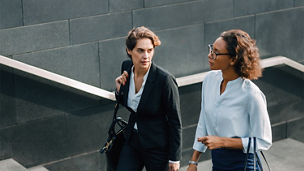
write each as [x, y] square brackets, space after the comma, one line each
[265, 160]
[111, 131]
[118, 120]
[247, 153]
[255, 155]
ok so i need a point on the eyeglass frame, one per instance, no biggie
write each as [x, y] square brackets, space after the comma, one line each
[210, 46]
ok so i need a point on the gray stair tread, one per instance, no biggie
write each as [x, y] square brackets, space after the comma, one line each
[38, 168]
[11, 165]
[287, 154]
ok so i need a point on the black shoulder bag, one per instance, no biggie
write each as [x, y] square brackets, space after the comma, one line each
[115, 141]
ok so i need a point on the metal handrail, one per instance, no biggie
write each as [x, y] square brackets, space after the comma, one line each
[181, 81]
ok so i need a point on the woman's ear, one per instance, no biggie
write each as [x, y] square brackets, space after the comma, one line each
[233, 60]
[128, 51]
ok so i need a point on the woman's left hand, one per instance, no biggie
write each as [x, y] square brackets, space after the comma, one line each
[212, 142]
[173, 166]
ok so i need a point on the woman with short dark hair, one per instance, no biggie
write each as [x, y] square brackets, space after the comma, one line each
[233, 108]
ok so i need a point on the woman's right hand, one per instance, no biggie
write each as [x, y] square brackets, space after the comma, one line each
[192, 167]
[121, 80]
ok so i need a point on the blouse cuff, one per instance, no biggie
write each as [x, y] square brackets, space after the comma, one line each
[198, 146]
[170, 161]
[245, 144]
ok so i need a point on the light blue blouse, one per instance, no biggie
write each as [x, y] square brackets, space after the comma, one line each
[241, 111]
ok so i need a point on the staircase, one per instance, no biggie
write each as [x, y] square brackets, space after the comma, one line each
[12, 165]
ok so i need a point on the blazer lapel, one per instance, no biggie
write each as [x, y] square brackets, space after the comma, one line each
[148, 87]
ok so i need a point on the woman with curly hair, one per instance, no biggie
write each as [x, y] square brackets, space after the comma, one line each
[233, 108]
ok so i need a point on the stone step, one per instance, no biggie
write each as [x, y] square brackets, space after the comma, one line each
[11, 165]
[37, 168]
[286, 154]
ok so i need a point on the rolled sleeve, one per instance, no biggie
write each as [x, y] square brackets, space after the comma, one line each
[259, 122]
[200, 132]
[261, 145]
[201, 128]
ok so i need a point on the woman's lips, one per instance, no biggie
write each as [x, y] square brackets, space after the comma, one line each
[144, 62]
[210, 62]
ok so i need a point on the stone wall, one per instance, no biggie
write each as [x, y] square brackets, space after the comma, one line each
[84, 40]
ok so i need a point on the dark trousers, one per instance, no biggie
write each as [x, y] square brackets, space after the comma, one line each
[133, 157]
[232, 160]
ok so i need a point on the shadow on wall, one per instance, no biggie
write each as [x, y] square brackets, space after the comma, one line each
[41, 97]
[42, 123]
[283, 88]
[285, 78]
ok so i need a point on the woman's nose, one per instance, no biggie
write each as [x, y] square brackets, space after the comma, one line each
[146, 54]
[210, 55]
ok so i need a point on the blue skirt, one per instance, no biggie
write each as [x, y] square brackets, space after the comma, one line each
[232, 159]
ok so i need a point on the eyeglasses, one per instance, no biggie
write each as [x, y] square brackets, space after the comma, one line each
[215, 54]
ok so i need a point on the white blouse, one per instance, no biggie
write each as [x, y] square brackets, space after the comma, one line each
[134, 98]
[240, 111]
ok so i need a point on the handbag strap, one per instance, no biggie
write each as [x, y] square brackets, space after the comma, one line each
[112, 127]
[115, 112]
[265, 161]
[116, 119]
[255, 156]
[247, 153]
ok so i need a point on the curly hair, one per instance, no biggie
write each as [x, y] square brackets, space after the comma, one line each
[245, 53]
[140, 33]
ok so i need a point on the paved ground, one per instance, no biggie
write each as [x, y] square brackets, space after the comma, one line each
[284, 155]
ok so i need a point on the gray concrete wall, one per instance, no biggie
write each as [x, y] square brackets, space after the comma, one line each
[29, 29]
[84, 40]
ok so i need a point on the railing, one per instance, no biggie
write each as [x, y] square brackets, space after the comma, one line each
[269, 62]
[74, 84]
[56, 78]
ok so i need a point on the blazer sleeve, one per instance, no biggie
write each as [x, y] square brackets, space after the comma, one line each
[171, 97]
[124, 67]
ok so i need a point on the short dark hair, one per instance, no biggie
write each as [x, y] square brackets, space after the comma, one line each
[244, 51]
[140, 33]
